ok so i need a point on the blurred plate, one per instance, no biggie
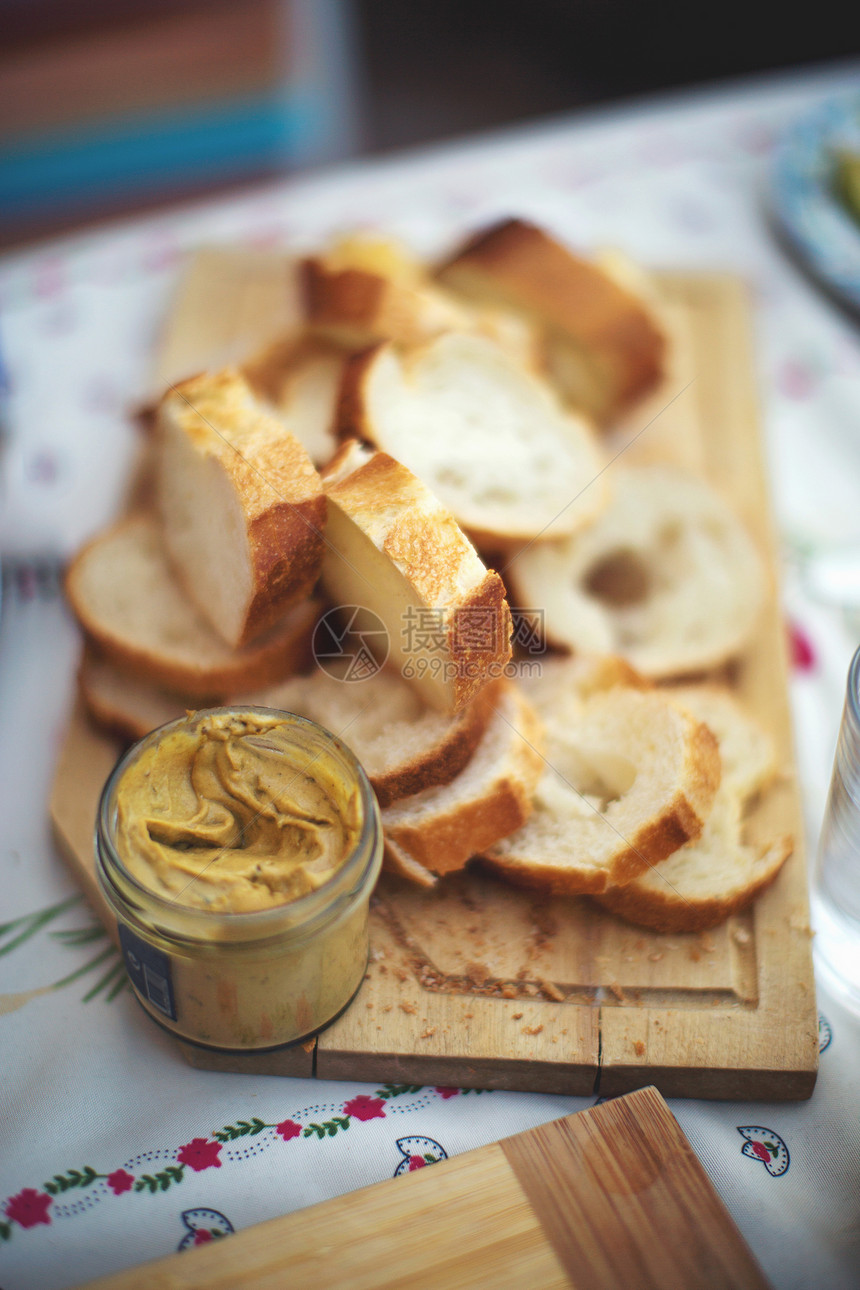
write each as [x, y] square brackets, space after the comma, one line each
[805, 203]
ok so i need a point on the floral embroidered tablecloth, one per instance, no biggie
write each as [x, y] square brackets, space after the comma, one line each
[112, 1150]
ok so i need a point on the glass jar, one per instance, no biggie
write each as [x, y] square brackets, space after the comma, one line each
[259, 979]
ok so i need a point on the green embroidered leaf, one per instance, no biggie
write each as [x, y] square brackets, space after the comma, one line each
[475, 1090]
[5, 1231]
[32, 923]
[160, 1181]
[73, 1178]
[328, 1128]
[80, 935]
[397, 1090]
[242, 1129]
[430, 1160]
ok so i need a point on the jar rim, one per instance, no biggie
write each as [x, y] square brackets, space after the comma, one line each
[351, 874]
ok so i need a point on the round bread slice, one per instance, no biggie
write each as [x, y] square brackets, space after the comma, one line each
[438, 830]
[123, 592]
[624, 784]
[487, 436]
[667, 577]
[241, 504]
[705, 881]
[397, 559]
[403, 745]
[604, 346]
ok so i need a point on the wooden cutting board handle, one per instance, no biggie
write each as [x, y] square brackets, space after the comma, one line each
[611, 1197]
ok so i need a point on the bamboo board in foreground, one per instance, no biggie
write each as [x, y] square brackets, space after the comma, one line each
[613, 1196]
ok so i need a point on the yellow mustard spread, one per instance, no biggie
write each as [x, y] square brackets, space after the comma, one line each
[215, 817]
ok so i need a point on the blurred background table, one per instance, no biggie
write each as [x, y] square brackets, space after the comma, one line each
[94, 1100]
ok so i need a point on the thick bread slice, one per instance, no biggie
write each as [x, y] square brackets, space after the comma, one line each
[403, 746]
[357, 307]
[396, 554]
[603, 345]
[439, 829]
[299, 380]
[123, 593]
[704, 882]
[667, 576]
[241, 504]
[626, 783]
[485, 434]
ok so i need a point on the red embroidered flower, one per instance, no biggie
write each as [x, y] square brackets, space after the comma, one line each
[761, 1151]
[201, 1236]
[288, 1129]
[447, 1092]
[416, 1162]
[800, 648]
[365, 1108]
[29, 1207]
[200, 1154]
[120, 1181]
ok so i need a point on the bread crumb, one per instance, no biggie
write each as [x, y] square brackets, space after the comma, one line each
[707, 943]
[532, 1030]
[509, 992]
[408, 1007]
[531, 990]
[428, 1033]
[388, 1007]
[401, 975]
[516, 1016]
[741, 936]
[551, 991]
[656, 957]
[369, 1003]
[615, 988]
[308, 1045]
[694, 954]
[376, 954]
[639, 1048]
[477, 973]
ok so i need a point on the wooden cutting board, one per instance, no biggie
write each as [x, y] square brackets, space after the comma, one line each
[613, 1196]
[479, 984]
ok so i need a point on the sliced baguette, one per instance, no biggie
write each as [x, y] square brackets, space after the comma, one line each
[354, 307]
[667, 576]
[707, 880]
[486, 435]
[395, 553]
[241, 505]
[438, 830]
[603, 345]
[123, 593]
[624, 784]
[403, 746]
[299, 380]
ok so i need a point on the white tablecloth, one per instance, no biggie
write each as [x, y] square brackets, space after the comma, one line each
[94, 1100]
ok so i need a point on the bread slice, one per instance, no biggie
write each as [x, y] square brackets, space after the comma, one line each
[625, 782]
[355, 307]
[299, 381]
[603, 345]
[667, 576]
[438, 830]
[707, 880]
[123, 593]
[403, 746]
[487, 436]
[241, 505]
[397, 558]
